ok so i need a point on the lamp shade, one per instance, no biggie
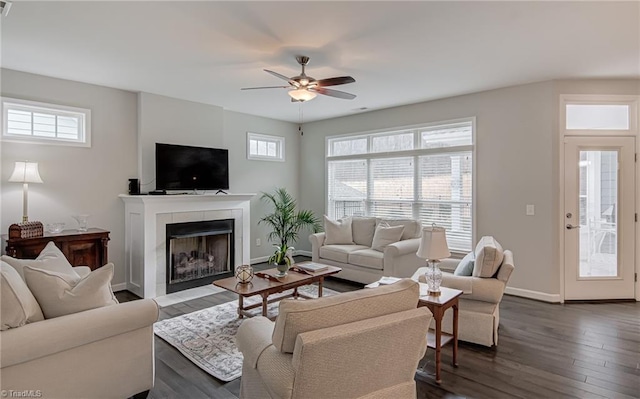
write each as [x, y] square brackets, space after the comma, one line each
[433, 244]
[25, 172]
[302, 94]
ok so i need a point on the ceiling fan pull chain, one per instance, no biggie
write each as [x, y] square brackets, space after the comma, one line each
[301, 113]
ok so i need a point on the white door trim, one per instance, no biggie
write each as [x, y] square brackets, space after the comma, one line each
[634, 131]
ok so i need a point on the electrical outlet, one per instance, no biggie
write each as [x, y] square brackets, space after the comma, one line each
[258, 242]
[531, 210]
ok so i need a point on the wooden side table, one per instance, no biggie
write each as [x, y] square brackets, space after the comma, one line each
[81, 248]
[438, 305]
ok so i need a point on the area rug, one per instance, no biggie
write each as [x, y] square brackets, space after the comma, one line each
[207, 337]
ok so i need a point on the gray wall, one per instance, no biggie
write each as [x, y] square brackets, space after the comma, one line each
[125, 128]
[76, 180]
[517, 163]
[252, 176]
[173, 121]
[514, 167]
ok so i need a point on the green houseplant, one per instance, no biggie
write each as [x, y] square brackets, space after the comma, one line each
[286, 222]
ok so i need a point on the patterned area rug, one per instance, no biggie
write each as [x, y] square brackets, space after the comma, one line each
[207, 337]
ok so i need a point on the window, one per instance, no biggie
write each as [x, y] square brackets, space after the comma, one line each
[264, 147]
[34, 122]
[423, 173]
[598, 115]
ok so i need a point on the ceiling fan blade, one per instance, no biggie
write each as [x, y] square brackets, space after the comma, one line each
[341, 80]
[334, 93]
[266, 87]
[276, 74]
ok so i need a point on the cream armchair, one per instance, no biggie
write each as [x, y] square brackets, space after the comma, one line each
[479, 306]
[362, 344]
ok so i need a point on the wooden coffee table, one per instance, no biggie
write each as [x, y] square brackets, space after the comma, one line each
[266, 286]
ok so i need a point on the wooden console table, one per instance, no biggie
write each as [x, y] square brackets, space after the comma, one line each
[82, 248]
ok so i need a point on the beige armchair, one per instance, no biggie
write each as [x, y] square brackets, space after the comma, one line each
[479, 307]
[362, 344]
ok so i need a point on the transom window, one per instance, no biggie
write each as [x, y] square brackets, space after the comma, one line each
[265, 147]
[35, 122]
[424, 173]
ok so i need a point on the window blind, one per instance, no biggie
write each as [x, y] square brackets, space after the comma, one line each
[382, 174]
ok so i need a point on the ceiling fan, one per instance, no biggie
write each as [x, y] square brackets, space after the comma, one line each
[305, 88]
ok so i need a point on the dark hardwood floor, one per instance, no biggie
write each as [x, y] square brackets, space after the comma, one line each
[545, 351]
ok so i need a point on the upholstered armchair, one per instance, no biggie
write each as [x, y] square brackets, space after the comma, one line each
[479, 306]
[361, 344]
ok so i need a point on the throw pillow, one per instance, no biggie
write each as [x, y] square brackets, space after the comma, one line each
[412, 228]
[50, 258]
[465, 267]
[386, 235]
[489, 256]
[17, 304]
[337, 231]
[58, 294]
[363, 229]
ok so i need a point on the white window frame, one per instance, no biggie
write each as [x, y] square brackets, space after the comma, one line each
[588, 99]
[84, 114]
[417, 151]
[280, 147]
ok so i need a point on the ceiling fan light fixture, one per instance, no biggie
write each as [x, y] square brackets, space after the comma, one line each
[302, 94]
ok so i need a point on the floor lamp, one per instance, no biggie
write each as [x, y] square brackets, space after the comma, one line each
[25, 173]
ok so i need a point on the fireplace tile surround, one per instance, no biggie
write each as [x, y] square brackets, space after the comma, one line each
[146, 218]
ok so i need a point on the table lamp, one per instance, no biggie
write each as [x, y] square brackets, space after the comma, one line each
[433, 247]
[25, 173]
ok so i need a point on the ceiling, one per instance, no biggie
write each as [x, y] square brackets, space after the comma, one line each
[398, 52]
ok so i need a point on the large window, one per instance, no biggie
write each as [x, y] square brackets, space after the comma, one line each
[34, 122]
[423, 173]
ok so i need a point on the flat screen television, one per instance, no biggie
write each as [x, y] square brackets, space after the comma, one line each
[181, 167]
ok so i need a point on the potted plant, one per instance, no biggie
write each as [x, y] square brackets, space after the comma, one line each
[286, 222]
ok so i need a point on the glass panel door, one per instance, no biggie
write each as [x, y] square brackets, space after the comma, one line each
[598, 214]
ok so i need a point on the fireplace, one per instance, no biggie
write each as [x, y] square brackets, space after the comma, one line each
[199, 253]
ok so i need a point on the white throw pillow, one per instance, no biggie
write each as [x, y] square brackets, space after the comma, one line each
[337, 231]
[58, 294]
[489, 256]
[412, 228]
[50, 258]
[18, 306]
[363, 229]
[386, 235]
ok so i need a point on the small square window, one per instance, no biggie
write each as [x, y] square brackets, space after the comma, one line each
[264, 147]
[41, 123]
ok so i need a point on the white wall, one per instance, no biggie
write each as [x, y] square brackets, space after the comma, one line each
[76, 180]
[261, 176]
[514, 160]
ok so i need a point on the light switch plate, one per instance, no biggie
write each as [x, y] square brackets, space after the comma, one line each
[531, 210]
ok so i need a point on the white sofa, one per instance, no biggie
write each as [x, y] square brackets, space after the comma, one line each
[361, 263]
[106, 352]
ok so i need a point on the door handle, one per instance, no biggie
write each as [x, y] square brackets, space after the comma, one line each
[570, 227]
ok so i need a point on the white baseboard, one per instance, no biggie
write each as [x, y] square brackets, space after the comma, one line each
[537, 295]
[262, 259]
[119, 287]
[259, 260]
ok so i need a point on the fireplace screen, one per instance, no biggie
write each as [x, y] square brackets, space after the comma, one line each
[196, 257]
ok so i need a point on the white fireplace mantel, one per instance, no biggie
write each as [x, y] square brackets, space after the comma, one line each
[146, 217]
